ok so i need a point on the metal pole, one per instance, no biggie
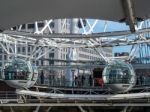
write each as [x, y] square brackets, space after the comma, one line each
[37, 109]
[49, 108]
[81, 109]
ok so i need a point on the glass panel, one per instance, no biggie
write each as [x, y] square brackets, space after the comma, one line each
[118, 72]
[17, 70]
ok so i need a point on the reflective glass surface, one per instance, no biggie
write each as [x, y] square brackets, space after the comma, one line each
[117, 72]
[17, 70]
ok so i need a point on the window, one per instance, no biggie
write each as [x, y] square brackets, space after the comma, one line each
[5, 57]
[64, 56]
[37, 54]
[42, 63]
[52, 24]
[0, 57]
[51, 55]
[29, 49]
[51, 62]
[0, 65]
[30, 26]
[40, 24]
[18, 49]
[23, 49]
[1, 51]
[37, 63]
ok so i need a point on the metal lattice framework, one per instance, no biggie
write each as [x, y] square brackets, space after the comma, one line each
[41, 37]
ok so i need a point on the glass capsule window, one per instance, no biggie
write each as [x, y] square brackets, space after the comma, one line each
[17, 70]
[118, 72]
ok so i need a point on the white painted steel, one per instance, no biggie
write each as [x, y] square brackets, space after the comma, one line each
[83, 97]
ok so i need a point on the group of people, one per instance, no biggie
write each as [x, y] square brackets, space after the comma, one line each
[15, 75]
[81, 80]
[142, 80]
[143, 77]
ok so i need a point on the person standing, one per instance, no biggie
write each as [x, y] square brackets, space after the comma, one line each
[83, 80]
[90, 80]
[42, 77]
[76, 81]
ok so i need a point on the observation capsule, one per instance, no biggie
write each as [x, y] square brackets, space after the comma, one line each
[20, 73]
[119, 76]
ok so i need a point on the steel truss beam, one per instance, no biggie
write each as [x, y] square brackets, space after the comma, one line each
[76, 104]
[38, 38]
[71, 43]
[79, 36]
[9, 43]
[99, 97]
